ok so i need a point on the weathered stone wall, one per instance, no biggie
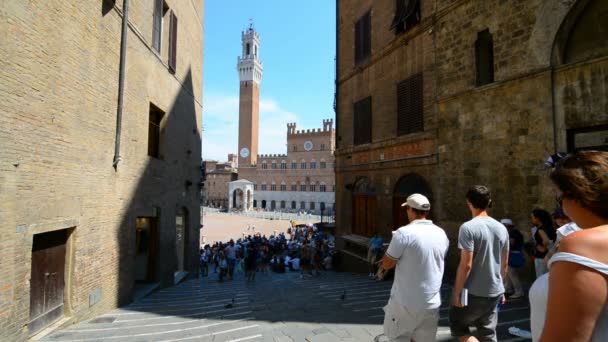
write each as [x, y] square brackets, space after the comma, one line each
[60, 85]
[216, 187]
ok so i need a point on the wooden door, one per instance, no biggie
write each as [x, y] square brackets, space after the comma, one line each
[47, 279]
[399, 213]
[370, 220]
[364, 214]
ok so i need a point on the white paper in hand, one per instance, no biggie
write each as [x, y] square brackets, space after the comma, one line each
[464, 297]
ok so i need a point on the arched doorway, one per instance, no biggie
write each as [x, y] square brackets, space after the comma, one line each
[273, 205]
[263, 204]
[238, 199]
[364, 208]
[181, 238]
[248, 202]
[405, 186]
[579, 92]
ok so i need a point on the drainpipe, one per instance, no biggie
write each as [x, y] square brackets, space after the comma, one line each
[121, 81]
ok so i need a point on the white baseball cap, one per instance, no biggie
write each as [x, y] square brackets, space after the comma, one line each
[506, 222]
[417, 201]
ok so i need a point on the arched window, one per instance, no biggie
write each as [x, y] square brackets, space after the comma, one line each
[283, 186]
[264, 165]
[273, 187]
[313, 164]
[274, 164]
[282, 204]
[293, 204]
[302, 186]
[322, 164]
[294, 187]
[264, 186]
[283, 165]
[294, 164]
[322, 187]
[248, 49]
[303, 164]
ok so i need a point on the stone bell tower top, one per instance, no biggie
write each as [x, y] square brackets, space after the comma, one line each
[249, 64]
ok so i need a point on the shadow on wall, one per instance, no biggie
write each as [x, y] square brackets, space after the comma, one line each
[159, 231]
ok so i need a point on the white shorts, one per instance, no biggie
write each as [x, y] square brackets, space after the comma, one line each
[403, 324]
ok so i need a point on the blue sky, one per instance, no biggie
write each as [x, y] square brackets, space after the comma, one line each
[297, 50]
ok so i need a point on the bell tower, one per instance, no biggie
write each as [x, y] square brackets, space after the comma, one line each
[250, 75]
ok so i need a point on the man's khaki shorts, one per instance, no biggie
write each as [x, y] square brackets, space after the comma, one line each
[403, 324]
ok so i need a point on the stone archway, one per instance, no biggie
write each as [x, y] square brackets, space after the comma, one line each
[238, 199]
[579, 88]
[406, 185]
[240, 195]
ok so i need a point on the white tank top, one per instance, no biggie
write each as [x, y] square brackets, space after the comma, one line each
[539, 296]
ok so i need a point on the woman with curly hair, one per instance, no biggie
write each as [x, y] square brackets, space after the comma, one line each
[570, 303]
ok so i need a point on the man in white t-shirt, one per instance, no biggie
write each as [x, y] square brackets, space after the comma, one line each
[417, 251]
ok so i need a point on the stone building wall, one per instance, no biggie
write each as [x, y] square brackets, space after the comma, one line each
[216, 188]
[60, 86]
[497, 134]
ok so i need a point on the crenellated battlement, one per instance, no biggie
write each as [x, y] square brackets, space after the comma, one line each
[271, 156]
[327, 128]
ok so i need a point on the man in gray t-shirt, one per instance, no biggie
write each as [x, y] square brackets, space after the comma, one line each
[484, 252]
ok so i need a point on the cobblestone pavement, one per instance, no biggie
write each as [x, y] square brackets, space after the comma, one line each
[275, 307]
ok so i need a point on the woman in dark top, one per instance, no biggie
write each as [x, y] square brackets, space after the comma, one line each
[544, 237]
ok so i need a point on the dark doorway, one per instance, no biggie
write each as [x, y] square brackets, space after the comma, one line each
[47, 279]
[364, 208]
[273, 205]
[263, 204]
[146, 249]
[407, 185]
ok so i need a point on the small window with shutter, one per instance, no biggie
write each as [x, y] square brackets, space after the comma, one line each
[407, 15]
[154, 131]
[362, 121]
[363, 38]
[410, 116]
[484, 58]
[172, 42]
[157, 24]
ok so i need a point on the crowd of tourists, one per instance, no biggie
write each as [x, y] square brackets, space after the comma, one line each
[569, 251]
[300, 248]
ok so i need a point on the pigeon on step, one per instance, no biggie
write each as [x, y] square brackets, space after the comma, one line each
[230, 305]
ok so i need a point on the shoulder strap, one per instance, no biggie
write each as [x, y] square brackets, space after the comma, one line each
[581, 260]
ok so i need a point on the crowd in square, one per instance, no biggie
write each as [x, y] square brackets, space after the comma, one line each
[301, 248]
